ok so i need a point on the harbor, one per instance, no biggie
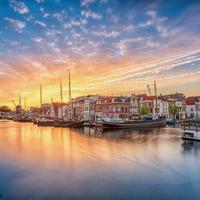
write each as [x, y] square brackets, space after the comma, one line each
[73, 163]
[99, 100]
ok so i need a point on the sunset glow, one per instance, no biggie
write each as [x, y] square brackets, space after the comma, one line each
[110, 47]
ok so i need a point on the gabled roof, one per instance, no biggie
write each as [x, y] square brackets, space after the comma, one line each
[191, 100]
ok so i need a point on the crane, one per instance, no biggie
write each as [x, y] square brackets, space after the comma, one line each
[148, 87]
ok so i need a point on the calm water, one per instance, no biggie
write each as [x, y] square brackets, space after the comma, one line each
[54, 163]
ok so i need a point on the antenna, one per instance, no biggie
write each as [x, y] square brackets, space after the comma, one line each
[148, 87]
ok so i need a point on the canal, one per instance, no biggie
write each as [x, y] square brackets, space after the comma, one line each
[60, 163]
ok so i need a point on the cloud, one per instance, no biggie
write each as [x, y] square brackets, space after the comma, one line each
[38, 40]
[105, 33]
[157, 22]
[67, 25]
[59, 16]
[91, 14]
[19, 7]
[75, 23]
[17, 24]
[87, 2]
[151, 13]
[53, 32]
[40, 23]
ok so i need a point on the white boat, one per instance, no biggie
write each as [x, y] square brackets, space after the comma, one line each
[191, 134]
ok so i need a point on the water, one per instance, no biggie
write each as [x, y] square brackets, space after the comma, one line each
[54, 163]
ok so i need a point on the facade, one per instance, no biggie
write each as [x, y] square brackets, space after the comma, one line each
[54, 111]
[192, 107]
[89, 108]
[46, 110]
[118, 107]
[134, 106]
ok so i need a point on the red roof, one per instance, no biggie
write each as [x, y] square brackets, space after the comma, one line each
[149, 98]
[191, 100]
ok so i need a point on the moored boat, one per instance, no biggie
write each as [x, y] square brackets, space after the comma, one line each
[154, 123]
[191, 130]
[76, 123]
[191, 134]
[45, 122]
[61, 123]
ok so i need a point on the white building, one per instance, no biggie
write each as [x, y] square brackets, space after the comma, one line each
[89, 108]
[192, 107]
[162, 107]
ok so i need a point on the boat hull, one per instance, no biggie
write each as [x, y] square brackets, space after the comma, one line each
[136, 124]
[190, 135]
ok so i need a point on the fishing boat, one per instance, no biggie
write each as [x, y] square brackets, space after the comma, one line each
[120, 123]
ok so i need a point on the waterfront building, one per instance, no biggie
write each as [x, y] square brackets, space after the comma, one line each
[89, 108]
[46, 110]
[192, 107]
[77, 108]
[54, 109]
[108, 106]
[34, 112]
[157, 106]
[64, 112]
[134, 106]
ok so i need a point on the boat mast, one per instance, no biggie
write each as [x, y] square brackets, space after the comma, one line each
[69, 78]
[155, 88]
[20, 106]
[61, 92]
[41, 99]
[25, 103]
[61, 97]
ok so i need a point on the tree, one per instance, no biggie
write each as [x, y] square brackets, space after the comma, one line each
[174, 110]
[144, 111]
[5, 109]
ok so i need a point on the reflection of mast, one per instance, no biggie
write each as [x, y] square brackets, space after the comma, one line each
[41, 98]
[69, 85]
[155, 88]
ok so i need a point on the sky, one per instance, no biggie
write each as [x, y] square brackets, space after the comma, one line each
[111, 47]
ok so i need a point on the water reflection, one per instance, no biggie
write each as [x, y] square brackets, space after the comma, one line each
[61, 163]
[191, 147]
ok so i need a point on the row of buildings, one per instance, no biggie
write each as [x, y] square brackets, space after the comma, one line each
[93, 107]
